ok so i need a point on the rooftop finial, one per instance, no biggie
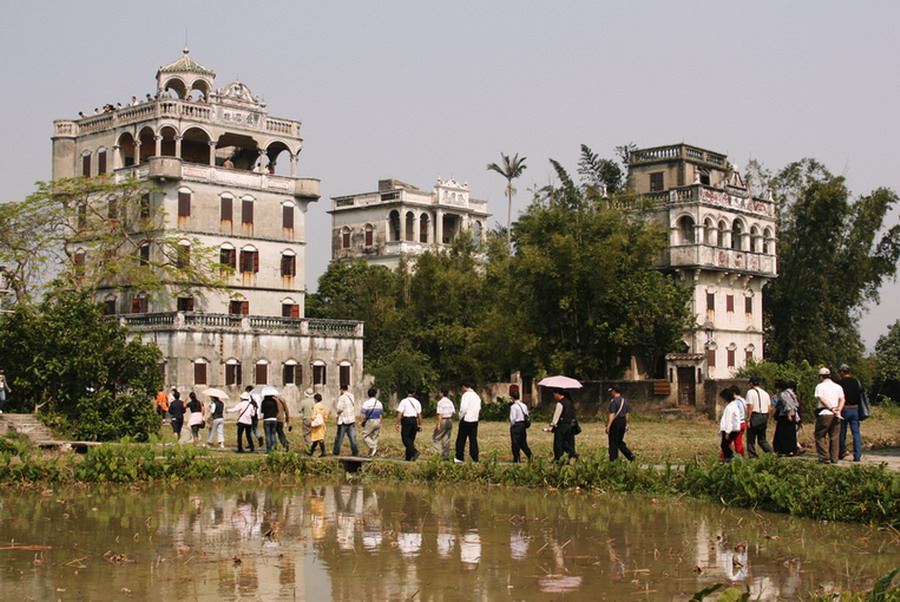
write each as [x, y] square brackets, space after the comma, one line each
[185, 50]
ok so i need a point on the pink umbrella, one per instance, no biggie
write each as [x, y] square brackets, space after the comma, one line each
[560, 382]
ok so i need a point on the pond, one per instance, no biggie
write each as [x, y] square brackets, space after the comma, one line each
[381, 541]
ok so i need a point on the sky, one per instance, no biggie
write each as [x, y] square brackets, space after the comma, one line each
[418, 90]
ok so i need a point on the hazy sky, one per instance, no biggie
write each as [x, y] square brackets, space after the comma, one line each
[418, 90]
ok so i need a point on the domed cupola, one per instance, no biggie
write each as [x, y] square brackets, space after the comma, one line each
[180, 78]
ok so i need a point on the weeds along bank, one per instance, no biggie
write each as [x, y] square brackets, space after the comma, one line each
[865, 494]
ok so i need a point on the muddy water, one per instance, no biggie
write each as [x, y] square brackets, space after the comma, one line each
[344, 541]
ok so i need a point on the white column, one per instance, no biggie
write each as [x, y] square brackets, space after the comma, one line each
[438, 227]
[178, 146]
[212, 152]
[293, 166]
[158, 140]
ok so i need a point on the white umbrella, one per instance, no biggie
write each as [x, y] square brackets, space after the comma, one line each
[560, 382]
[222, 395]
[265, 390]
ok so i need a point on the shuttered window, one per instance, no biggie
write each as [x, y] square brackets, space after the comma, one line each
[287, 216]
[228, 257]
[729, 303]
[711, 358]
[290, 310]
[199, 373]
[262, 374]
[184, 204]
[748, 305]
[232, 374]
[249, 261]
[710, 302]
[86, 166]
[288, 265]
[225, 208]
[289, 374]
[345, 375]
[101, 162]
[247, 212]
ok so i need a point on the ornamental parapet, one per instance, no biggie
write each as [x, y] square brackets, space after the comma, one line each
[717, 258]
[194, 321]
[718, 197]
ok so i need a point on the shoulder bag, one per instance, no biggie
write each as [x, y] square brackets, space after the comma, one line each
[865, 410]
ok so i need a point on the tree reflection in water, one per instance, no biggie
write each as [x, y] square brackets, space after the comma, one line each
[380, 541]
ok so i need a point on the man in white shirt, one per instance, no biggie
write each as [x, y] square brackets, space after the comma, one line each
[758, 406]
[519, 421]
[370, 414]
[346, 421]
[409, 421]
[469, 408]
[828, 423]
[440, 439]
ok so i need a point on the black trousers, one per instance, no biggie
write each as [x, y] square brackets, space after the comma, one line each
[785, 439]
[727, 440]
[756, 431]
[409, 428]
[617, 439]
[563, 441]
[518, 436]
[244, 428]
[467, 430]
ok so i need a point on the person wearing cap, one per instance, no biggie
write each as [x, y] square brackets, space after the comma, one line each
[831, 401]
[759, 404]
[617, 425]
[305, 414]
[853, 391]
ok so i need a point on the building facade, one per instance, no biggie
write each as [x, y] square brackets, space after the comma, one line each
[399, 219]
[721, 242]
[224, 173]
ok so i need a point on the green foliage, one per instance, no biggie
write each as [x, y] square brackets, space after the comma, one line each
[79, 368]
[831, 263]
[802, 373]
[887, 356]
[586, 286]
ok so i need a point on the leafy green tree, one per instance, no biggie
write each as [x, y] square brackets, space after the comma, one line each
[509, 168]
[887, 353]
[588, 290]
[832, 257]
[95, 229]
[79, 368]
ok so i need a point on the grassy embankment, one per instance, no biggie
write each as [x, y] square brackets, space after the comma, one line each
[867, 494]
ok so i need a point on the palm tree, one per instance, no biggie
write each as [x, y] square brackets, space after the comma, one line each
[509, 169]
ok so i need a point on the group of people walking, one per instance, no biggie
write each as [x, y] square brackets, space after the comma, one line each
[838, 409]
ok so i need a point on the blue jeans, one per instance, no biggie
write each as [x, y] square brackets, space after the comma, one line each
[851, 418]
[270, 427]
[350, 431]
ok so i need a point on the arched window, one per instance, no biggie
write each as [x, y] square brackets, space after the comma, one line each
[288, 264]
[370, 235]
[140, 304]
[686, 230]
[344, 373]
[477, 231]
[755, 245]
[291, 373]
[109, 305]
[346, 236]
[233, 373]
[86, 164]
[423, 228]
[184, 202]
[226, 207]
[249, 259]
[101, 161]
[720, 234]
[320, 376]
[228, 255]
[287, 215]
[410, 226]
[200, 369]
[394, 226]
[262, 373]
[767, 241]
[737, 235]
[290, 308]
[183, 255]
[709, 232]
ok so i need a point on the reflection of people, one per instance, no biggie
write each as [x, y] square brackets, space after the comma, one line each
[443, 429]
[518, 430]
[617, 425]
[563, 425]
[370, 414]
[317, 426]
[853, 391]
[469, 409]
[409, 421]
[831, 402]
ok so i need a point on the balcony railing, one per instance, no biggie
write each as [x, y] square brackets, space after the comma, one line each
[678, 151]
[239, 323]
[700, 193]
[179, 109]
[706, 256]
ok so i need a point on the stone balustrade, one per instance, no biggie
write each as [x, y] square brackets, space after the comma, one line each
[717, 258]
[234, 323]
[701, 193]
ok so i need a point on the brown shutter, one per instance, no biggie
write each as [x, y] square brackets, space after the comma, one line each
[262, 374]
[247, 212]
[255, 261]
[101, 162]
[184, 204]
[229, 374]
[199, 373]
[729, 303]
[711, 358]
[730, 358]
[345, 375]
[86, 166]
[288, 374]
[295, 310]
[225, 209]
[245, 307]
[710, 302]
[748, 305]
[287, 216]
